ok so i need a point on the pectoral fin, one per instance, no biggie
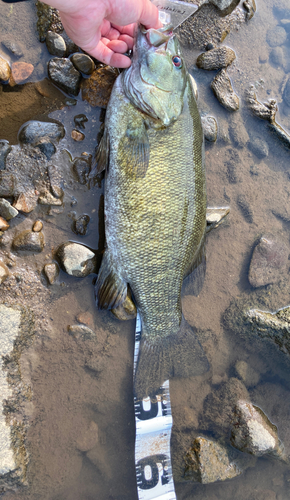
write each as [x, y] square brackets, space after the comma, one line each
[134, 149]
[110, 288]
[101, 160]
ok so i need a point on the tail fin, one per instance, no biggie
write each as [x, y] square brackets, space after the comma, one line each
[178, 355]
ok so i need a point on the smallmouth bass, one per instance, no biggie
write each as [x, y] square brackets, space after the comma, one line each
[155, 205]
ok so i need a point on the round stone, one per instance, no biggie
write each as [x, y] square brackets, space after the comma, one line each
[76, 259]
[77, 136]
[21, 71]
[276, 36]
[51, 272]
[13, 47]
[37, 226]
[6, 210]
[5, 70]
[269, 261]
[55, 44]
[34, 131]
[83, 63]
[210, 128]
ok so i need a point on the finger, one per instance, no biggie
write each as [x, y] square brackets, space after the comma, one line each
[111, 33]
[149, 16]
[126, 30]
[117, 46]
[104, 54]
[128, 40]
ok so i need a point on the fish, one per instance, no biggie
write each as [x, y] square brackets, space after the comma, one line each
[152, 152]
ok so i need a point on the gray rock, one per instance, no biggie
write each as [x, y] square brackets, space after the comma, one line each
[281, 9]
[46, 147]
[47, 198]
[286, 92]
[232, 164]
[13, 47]
[76, 259]
[83, 63]
[269, 262]
[71, 47]
[88, 437]
[5, 149]
[217, 58]
[4, 273]
[26, 202]
[55, 44]
[222, 4]
[210, 128]
[6, 210]
[276, 36]
[51, 272]
[224, 92]
[63, 74]
[82, 168]
[81, 331]
[252, 432]
[237, 131]
[7, 183]
[246, 373]
[285, 23]
[245, 208]
[5, 70]
[275, 326]
[215, 216]
[81, 224]
[34, 131]
[277, 57]
[208, 461]
[29, 241]
[259, 147]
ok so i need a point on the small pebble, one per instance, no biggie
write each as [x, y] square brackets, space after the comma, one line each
[245, 208]
[276, 36]
[5, 149]
[21, 71]
[86, 318]
[26, 202]
[81, 331]
[3, 224]
[83, 63]
[13, 47]
[277, 56]
[80, 120]
[269, 261]
[77, 136]
[47, 198]
[76, 259]
[5, 70]
[210, 128]
[218, 58]
[259, 147]
[224, 92]
[55, 44]
[37, 226]
[81, 225]
[63, 74]
[46, 147]
[82, 168]
[51, 272]
[6, 210]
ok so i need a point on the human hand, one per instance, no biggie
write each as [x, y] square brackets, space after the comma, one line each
[105, 28]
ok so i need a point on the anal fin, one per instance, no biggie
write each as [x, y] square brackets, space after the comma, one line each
[110, 288]
[195, 274]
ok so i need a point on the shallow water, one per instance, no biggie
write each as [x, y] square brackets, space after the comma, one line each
[69, 389]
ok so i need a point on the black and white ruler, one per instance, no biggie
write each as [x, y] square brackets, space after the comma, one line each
[152, 445]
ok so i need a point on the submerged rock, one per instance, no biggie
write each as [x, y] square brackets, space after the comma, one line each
[125, 311]
[55, 44]
[218, 58]
[98, 87]
[5, 149]
[276, 36]
[77, 136]
[21, 71]
[46, 147]
[80, 120]
[48, 20]
[245, 208]
[81, 224]
[13, 47]
[252, 432]
[63, 74]
[88, 438]
[76, 259]
[5, 70]
[7, 184]
[215, 216]
[6, 210]
[37, 226]
[269, 261]
[237, 131]
[286, 92]
[26, 202]
[29, 241]
[81, 331]
[83, 63]
[82, 168]
[259, 147]
[210, 128]
[47, 198]
[34, 131]
[224, 92]
[248, 375]
[51, 272]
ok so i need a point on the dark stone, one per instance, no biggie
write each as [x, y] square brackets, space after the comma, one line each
[81, 224]
[55, 44]
[269, 261]
[46, 147]
[29, 241]
[76, 259]
[63, 74]
[80, 120]
[71, 47]
[82, 168]
[98, 87]
[48, 20]
[4, 150]
[259, 147]
[218, 58]
[245, 208]
[13, 47]
[34, 131]
[83, 63]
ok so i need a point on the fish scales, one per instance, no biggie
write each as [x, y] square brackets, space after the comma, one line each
[155, 222]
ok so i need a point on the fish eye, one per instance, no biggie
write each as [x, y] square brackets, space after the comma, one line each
[177, 61]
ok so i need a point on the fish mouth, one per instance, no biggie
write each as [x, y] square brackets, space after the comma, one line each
[151, 37]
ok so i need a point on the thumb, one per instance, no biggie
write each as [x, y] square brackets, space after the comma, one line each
[149, 15]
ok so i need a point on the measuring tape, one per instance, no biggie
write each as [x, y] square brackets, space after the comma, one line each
[152, 445]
